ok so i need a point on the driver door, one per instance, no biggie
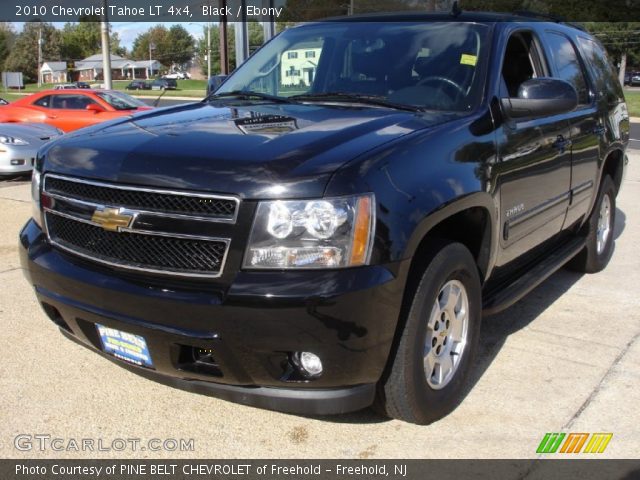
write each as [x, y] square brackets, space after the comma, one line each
[69, 112]
[533, 173]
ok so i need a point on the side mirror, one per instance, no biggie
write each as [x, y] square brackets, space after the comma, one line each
[95, 108]
[541, 97]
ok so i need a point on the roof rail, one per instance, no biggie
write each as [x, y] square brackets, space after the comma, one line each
[547, 16]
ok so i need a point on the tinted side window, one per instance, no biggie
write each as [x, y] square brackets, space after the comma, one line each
[601, 69]
[567, 65]
[43, 102]
[520, 63]
[71, 102]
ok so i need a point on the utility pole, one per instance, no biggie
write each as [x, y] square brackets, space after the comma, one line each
[152, 46]
[106, 48]
[208, 50]
[40, 56]
[224, 52]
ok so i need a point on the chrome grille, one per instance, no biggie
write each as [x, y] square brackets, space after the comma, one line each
[148, 242]
[137, 251]
[217, 208]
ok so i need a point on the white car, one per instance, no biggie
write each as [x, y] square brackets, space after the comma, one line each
[65, 86]
[19, 144]
[178, 75]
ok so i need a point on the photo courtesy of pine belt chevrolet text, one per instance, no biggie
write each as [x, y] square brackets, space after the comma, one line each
[321, 239]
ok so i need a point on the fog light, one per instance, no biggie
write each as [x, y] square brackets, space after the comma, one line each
[309, 363]
[17, 161]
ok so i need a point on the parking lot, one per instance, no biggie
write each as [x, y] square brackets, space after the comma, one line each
[566, 358]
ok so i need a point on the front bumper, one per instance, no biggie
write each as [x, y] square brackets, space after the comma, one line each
[16, 159]
[347, 317]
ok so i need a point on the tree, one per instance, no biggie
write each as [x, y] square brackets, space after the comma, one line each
[80, 40]
[173, 47]
[116, 48]
[24, 53]
[182, 47]
[256, 39]
[7, 38]
[621, 41]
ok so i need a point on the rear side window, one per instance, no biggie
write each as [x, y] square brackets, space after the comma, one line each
[44, 102]
[71, 102]
[567, 65]
[601, 69]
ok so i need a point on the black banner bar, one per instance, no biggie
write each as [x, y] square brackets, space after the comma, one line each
[287, 10]
[584, 469]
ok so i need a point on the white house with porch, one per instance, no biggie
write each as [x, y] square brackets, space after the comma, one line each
[90, 69]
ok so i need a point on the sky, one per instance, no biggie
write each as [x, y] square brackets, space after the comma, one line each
[128, 31]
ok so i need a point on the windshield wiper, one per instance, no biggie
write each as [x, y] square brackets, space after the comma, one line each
[247, 95]
[377, 100]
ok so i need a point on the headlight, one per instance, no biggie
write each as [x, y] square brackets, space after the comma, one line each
[323, 233]
[7, 140]
[36, 210]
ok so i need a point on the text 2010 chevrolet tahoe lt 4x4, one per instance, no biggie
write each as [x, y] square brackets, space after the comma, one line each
[326, 230]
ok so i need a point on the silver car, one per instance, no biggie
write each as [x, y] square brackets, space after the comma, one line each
[19, 143]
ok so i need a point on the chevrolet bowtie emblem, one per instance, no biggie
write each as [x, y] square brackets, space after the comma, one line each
[111, 219]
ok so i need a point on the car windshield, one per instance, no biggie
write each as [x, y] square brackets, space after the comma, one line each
[426, 65]
[121, 101]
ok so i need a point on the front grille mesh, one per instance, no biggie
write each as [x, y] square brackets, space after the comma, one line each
[141, 251]
[166, 203]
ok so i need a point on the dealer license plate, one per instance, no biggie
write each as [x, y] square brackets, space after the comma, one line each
[125, 346]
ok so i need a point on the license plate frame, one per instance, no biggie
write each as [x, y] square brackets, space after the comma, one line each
[125, 346]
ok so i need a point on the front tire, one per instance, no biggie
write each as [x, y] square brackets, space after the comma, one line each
[599, 232]
[435, 353]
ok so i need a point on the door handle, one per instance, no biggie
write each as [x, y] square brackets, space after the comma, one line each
[561, 143]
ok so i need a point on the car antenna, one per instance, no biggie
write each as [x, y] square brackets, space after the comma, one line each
[455, 9]
[157, 100]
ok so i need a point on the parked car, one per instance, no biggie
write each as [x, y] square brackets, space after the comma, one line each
[214, 83]
[315, 241]
[164, 84]
[65, 86]
[178, 75]
[19, 144]
[635, 79]
[138, 85]
[3, 102]
[71, 109]
[82, 85]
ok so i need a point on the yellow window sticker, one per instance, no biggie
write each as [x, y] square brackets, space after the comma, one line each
[467, 59]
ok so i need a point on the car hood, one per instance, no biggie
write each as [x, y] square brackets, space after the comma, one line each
[31, 132]
[251, 150]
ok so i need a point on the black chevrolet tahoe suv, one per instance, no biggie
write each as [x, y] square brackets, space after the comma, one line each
[326, 230]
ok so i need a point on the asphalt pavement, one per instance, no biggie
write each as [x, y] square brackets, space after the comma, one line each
[564, 359]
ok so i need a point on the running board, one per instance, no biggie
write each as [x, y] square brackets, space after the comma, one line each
[507, 294]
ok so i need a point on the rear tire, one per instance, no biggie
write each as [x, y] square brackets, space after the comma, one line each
[599, 230]
[436, 350]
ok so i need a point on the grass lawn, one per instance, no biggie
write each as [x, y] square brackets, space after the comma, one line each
[186, 88]
[633, 102]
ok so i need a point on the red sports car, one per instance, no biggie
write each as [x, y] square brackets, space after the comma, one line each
[71, 109]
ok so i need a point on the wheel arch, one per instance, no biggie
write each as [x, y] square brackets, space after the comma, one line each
[470, 221]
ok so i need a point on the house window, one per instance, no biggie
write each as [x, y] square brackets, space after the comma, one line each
[310, 54]
[292, 55]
